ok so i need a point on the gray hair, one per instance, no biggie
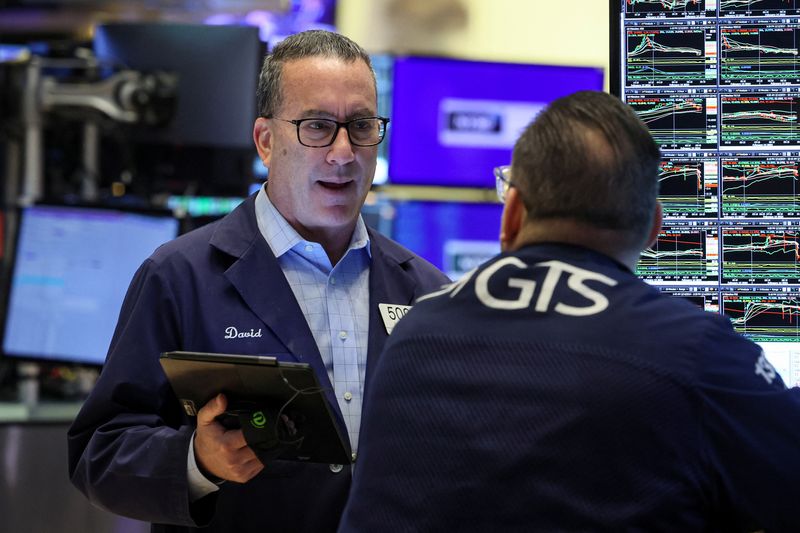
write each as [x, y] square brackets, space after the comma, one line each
[298, 46]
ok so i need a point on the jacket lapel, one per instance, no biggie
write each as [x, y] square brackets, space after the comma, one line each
[259, 280]
[388, 283]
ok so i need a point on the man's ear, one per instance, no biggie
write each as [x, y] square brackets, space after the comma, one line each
[655, 228]
[262, 137]
[514, 214]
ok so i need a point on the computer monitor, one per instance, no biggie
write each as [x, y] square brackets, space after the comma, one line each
[454, 236]
[718, 83]
[454, 120]
[71, 269]
[207, 146]
[217, 68]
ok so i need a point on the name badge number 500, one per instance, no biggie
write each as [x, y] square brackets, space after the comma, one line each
[391, 315]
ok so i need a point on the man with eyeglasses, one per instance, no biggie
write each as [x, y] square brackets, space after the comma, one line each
[293, 273]
[552, 390]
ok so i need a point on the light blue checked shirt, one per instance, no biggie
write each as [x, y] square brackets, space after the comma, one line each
[334, 300]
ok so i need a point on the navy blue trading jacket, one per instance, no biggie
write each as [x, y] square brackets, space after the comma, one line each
[128, 446]
[554, 391]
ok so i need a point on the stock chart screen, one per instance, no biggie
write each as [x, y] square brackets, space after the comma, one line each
[718, 84]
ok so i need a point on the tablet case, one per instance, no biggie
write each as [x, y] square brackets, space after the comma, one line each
[280, 405]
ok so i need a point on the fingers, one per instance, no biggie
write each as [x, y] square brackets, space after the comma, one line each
[234, 459]
[233, 443]
[223, 454]
[215, 407]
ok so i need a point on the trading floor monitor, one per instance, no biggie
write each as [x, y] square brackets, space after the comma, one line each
[71, 269]
[718, 84]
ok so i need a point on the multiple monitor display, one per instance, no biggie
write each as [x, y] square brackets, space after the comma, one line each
[451, 130]
[718, 83]
[71, 273]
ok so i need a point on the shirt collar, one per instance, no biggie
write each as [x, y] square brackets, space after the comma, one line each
[282, 237]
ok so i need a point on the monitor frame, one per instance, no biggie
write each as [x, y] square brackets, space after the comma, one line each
[453, 132]
[722, 213]
[12, 267]
[220, 115]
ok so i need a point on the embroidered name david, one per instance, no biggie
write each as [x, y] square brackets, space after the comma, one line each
[233, 333]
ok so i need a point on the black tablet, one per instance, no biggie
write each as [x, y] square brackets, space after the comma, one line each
[264, 394]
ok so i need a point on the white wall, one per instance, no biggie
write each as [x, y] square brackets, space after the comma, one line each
[525, 31]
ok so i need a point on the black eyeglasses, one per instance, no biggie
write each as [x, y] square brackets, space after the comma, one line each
[321, 132]
[502, 181]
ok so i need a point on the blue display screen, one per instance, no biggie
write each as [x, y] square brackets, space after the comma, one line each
[454, 120]
[72, 267]
[454, 236]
